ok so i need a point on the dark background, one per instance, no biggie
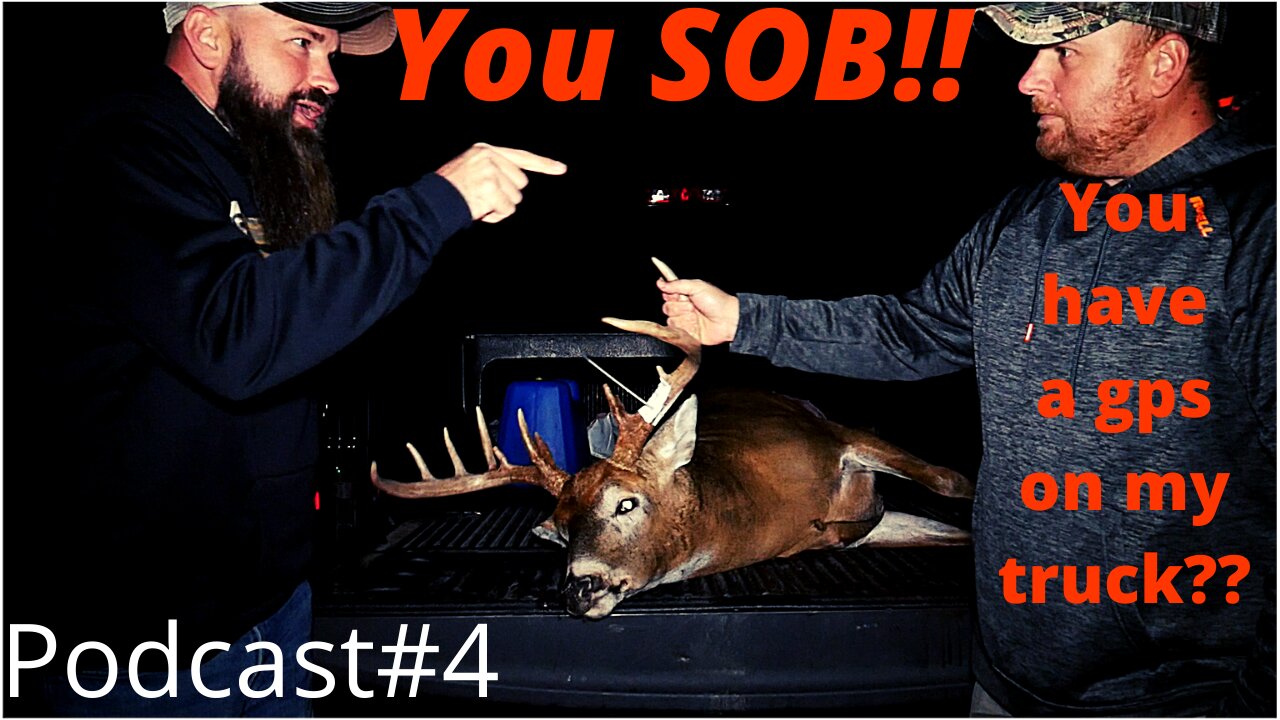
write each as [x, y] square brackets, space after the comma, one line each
[826, 199]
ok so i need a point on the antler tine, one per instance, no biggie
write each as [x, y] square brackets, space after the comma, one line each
[630, 442]
[544, 473]
[502, 459]
[633, 431]
[485, 442]
[458, 468]
[678, 378]
[615, 407]
[422, 465]
[553, 477]
[665, 269]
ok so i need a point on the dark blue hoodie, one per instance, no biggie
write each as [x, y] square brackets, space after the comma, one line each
[176, 437]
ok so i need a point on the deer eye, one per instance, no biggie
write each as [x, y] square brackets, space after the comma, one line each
[626, 506]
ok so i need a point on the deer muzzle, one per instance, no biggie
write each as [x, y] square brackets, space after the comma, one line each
[591, 596]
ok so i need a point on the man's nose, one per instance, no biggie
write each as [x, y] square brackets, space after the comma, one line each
[322, 76]
[1036, 79]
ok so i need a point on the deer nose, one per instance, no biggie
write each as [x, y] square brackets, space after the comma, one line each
[581, 593]
[583, 587]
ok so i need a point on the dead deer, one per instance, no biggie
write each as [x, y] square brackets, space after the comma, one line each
[739, 479]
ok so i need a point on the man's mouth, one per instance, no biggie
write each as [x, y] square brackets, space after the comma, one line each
[307, 114]
[1047, 119]
[1045, 111]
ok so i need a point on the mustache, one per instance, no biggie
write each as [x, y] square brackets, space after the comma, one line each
[1040, 106]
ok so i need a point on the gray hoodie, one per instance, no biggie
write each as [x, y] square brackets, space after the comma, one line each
[1121, 654]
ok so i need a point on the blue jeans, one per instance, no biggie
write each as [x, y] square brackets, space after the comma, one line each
[288, 628]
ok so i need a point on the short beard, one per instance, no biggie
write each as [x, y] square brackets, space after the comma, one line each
[1095, 142]
[288, 175]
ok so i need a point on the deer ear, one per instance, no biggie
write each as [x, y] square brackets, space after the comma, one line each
[672, 445]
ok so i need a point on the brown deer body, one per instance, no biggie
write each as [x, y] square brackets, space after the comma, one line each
[737, 479]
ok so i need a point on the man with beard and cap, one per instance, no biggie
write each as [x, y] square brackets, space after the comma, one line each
[1121, 90]
[203, 273]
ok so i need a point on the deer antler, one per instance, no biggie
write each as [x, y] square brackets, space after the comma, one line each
[544, 472]
[634, 429]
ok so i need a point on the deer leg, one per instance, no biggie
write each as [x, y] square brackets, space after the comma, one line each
[856, 508]
[904, 530]
[874, 453]
[857, 498]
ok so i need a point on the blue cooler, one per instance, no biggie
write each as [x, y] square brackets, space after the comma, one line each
[551, 410]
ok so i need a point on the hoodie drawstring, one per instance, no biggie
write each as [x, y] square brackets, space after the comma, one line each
[1035, 285]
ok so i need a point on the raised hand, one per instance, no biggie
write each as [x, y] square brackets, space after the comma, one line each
[700, 309]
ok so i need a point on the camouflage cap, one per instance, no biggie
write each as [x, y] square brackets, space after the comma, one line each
[1052, 23]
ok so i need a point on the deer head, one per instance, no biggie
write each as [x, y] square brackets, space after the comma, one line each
[616, 517]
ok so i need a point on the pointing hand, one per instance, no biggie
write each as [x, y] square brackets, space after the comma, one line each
[490, 178]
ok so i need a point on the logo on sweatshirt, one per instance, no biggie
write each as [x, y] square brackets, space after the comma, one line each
[1202, 220]
[250, 226]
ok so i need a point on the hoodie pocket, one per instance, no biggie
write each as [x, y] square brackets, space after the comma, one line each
[1120, 548]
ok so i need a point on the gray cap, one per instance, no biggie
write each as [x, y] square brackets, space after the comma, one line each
[363, 28]
[1052, 23]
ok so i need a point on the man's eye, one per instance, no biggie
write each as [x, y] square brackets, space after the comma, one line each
[301, 42]
[1064, 53]
[626, 506]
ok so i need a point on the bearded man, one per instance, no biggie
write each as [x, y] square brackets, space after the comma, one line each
[202, 274]
[1123, 103]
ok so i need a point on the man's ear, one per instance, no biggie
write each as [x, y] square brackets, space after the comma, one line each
[209, 36]
[1169, 56]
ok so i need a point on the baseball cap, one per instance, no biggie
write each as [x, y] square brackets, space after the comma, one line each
[1051, 23]
[364, 28]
